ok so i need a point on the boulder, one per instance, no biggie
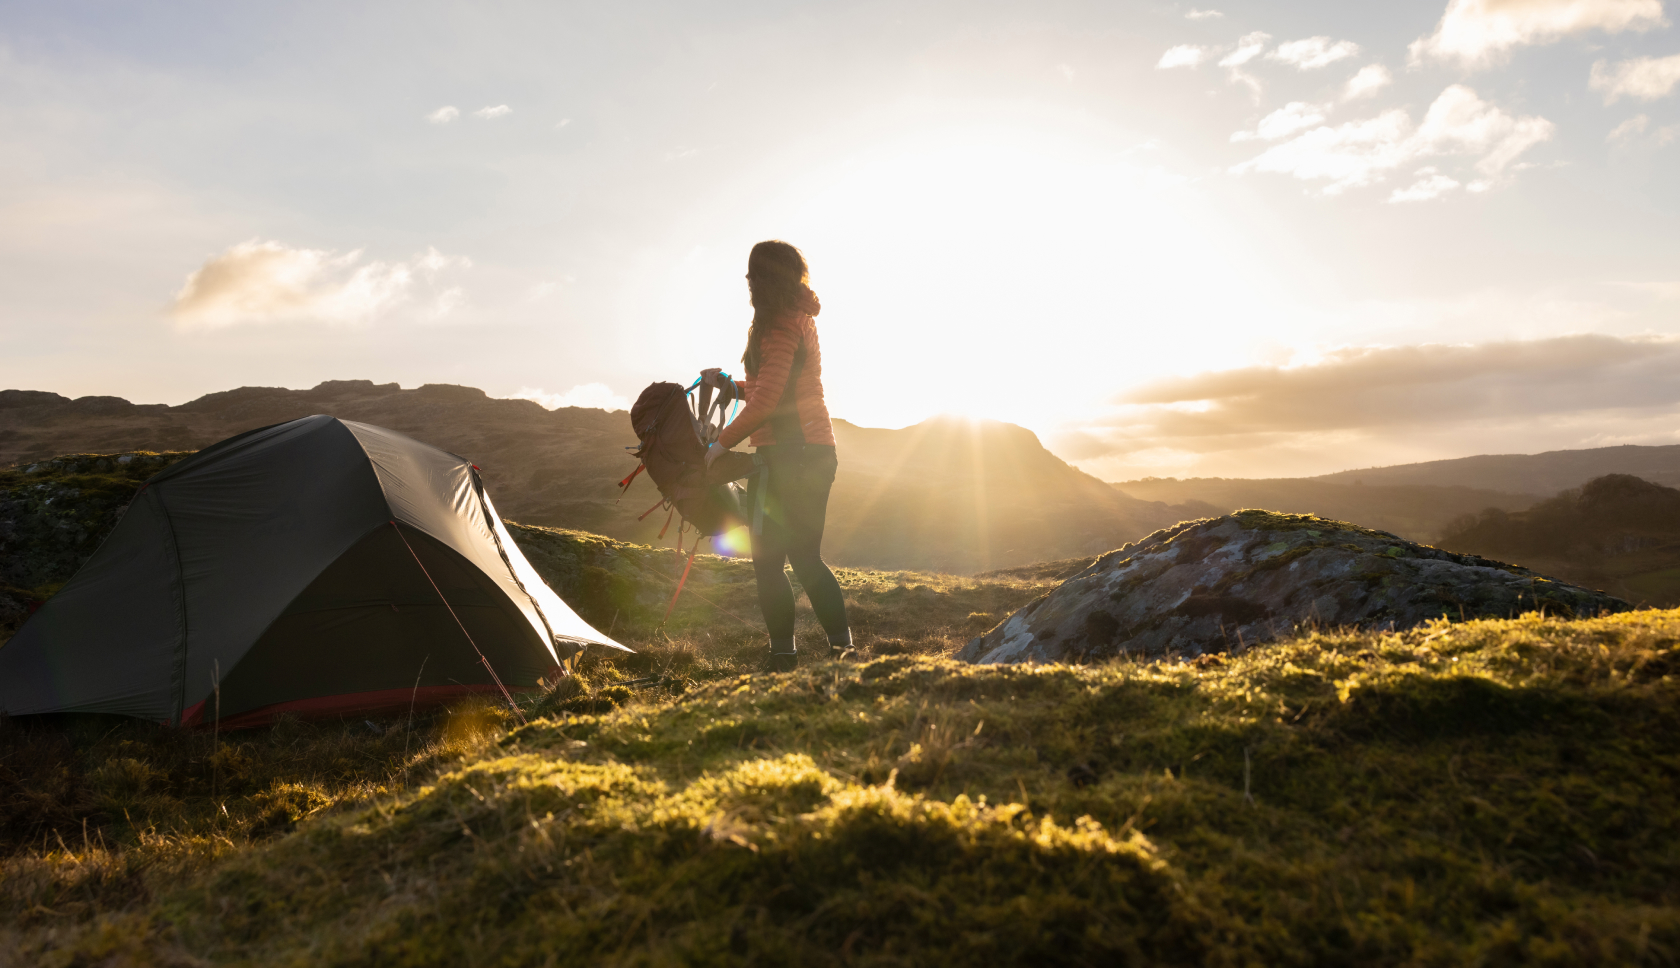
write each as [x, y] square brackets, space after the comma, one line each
[1226, 583]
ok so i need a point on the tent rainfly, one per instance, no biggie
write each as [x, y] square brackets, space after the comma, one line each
[319, 567]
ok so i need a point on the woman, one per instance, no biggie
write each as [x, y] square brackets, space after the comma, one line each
[788, 421]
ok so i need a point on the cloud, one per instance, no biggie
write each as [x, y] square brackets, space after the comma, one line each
[1248, 48]
[1313, 53]
[1385, 393]
[1370, 79]
[1195, 14]
[489, 113]
[598, 396]
[1361, 153]
[444, 115]
[1293, 117]
[1645, 78]
[1184, 55]
[1365, 387]
[265, 282]
[1430, 184]
[1478, 33]
[1626, 131]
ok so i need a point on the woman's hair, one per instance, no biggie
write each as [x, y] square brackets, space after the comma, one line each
[777, 278]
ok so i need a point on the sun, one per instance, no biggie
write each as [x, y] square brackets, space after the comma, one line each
[1009, 272]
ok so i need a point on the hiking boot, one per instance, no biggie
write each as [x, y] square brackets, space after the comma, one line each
[840, 645]
[783, 661]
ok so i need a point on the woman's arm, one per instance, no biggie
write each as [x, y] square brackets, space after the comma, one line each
[765, 390]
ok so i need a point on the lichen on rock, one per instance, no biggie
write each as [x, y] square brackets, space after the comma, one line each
[1224, 584]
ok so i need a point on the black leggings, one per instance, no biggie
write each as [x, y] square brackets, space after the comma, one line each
[795, 506]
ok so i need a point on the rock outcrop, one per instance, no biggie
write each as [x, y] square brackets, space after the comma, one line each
[1227, 583]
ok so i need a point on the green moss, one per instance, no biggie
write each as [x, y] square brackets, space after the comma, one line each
[1490, 792]
[1482, 792]
[1312, 524]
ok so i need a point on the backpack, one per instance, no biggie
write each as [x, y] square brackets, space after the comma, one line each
[674, 426]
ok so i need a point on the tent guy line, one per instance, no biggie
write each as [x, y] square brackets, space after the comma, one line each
[487, 667]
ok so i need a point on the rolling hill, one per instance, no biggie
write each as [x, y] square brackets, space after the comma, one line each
[945, 495]
[1417, 512]
[1615, 532]
[1417, 501]
[1541, 475]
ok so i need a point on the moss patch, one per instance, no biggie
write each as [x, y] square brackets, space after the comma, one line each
[1500, 791]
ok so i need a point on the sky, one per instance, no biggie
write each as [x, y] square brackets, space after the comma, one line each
[1244, 239]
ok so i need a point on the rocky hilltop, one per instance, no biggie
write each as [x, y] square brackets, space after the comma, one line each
[944, 495]
[1228, 583]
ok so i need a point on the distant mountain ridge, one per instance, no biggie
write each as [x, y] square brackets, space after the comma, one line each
[1418, 501]
[1541, 475]
[1417, 512]
[945, 495]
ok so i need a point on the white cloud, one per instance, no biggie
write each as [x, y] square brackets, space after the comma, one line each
[444, 115]
[598, 396]
[1348, 155]
[488, 113]
[1459, 122]
[266, 282]
[1296, 116]
[1634, 127]
[1184, 55]
[563, 122]
[1313, 53]
[1370, 79]
[1625, 131]
[1248, 48]
[1645, 78]
[1195, 14]
[1430, 184]
[1364, 152]
[1477, 33]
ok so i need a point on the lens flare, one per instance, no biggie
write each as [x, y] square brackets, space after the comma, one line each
[736, 543]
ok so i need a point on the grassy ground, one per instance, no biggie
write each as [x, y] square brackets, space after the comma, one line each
[1495, 792]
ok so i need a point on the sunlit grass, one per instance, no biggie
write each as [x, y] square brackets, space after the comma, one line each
[1486, 792]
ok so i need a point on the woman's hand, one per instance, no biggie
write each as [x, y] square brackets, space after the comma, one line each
[713, 452]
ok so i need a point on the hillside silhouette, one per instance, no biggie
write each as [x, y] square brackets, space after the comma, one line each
[1417, 501]
[946, 495]
[1417, 512]
[1542, 474]
[1616, 532]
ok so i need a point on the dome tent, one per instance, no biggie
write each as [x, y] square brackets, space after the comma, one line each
[315, 567]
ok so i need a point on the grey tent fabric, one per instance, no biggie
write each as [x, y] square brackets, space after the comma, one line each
[296, 568]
